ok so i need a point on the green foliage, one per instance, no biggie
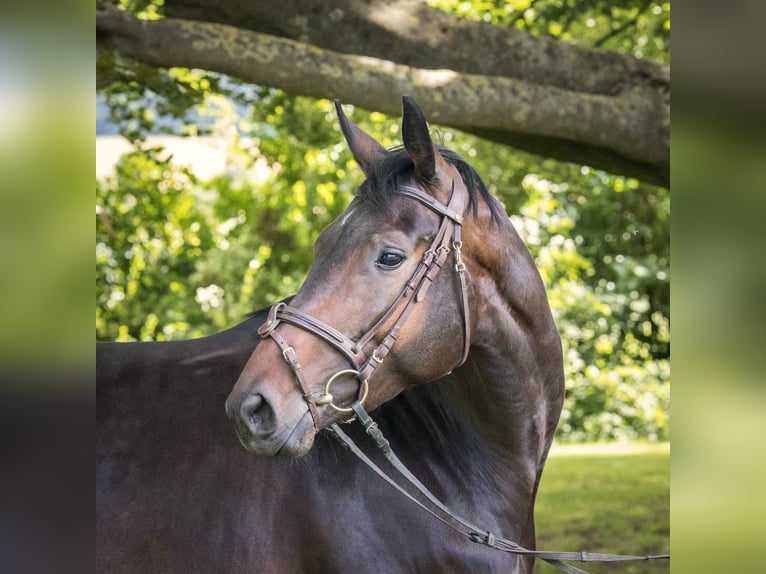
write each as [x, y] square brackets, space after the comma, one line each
[177, 257]
[150, 232]
[601, 244]
[638, 27]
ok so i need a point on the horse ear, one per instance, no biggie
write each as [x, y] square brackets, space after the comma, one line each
[416, 140]
[366, 151]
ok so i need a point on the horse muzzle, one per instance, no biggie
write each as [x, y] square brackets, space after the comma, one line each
[269, 426]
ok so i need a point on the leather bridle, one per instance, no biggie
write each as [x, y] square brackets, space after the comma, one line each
[446, 240]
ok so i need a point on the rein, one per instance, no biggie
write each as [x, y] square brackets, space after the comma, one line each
[442, 513]
[447, 238]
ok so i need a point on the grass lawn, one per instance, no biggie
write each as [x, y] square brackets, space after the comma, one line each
[606, 498]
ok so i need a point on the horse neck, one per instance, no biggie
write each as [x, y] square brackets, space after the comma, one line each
[487, 427]
[515, 373]
[440, 432]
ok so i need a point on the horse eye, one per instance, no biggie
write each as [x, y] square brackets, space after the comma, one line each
[389, 260]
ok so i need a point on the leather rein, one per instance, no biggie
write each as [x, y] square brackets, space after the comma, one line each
[446, 240]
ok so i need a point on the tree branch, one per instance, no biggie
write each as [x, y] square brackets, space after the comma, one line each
[631, 130]
[411, 33]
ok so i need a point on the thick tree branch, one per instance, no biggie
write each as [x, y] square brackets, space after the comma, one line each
[409, 32]
[627, 134]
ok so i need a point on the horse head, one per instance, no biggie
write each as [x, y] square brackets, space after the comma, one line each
[387, 303]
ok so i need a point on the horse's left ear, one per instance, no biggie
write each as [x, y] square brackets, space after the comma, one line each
[416, 140]
[366, 151]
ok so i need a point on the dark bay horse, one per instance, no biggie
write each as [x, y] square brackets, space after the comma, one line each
[424, 304]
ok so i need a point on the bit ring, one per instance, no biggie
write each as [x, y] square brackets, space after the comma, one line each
[327, 398]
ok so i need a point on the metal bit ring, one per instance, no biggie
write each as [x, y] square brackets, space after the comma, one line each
[327, 398]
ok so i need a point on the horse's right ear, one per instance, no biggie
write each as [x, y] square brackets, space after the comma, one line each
[416, 140]
[366, 151]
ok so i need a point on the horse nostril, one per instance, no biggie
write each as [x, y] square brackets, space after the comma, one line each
[258, 415]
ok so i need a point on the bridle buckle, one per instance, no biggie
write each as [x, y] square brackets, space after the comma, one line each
[459, 265]
[287, 354]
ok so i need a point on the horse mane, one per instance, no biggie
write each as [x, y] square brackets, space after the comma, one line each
[397, 170]
[432, 421]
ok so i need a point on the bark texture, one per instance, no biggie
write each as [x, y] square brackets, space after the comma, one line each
[579, 104]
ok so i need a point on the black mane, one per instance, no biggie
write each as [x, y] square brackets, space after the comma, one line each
[397, 170]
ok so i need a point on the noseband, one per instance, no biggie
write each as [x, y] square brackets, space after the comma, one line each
[446, 240]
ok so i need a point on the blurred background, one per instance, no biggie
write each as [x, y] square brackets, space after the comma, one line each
[262, 143]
